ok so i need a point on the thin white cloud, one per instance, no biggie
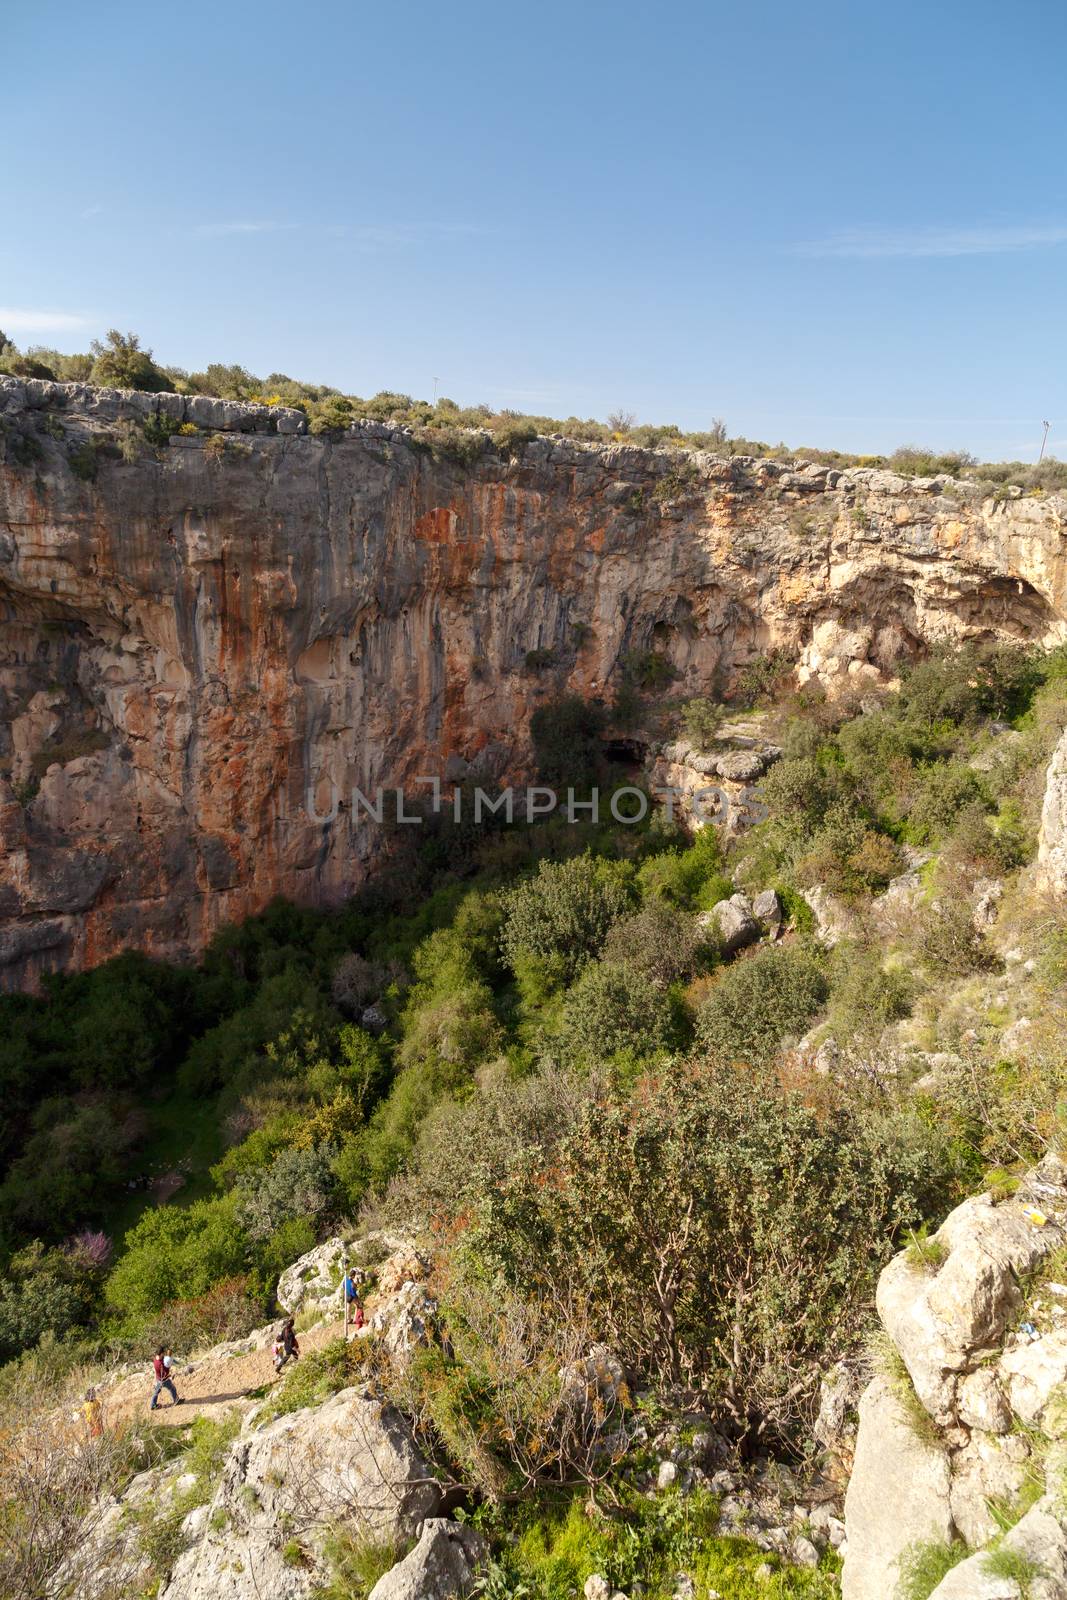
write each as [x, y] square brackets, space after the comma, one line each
[219, 229]
[92, 211]
[18, 319]
[865, 244]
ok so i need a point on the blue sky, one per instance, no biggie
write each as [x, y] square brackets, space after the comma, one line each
[837, 224]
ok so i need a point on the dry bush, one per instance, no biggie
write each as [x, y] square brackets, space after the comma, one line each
[520, 1396]
[55, 1480]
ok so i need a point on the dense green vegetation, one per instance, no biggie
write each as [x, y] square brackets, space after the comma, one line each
[120, 361]
[604, 1124]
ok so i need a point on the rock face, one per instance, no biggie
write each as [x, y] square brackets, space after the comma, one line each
[208, 644]
[898, 1493]
[1052, 839]
[350, 1461]
[442, 1564]
[936, 1449]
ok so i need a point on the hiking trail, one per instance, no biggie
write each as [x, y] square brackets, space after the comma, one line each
[210, 1386]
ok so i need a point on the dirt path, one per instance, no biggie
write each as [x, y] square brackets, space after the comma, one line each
[210, 1388]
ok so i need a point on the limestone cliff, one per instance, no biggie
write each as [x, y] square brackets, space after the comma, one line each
[195, 632]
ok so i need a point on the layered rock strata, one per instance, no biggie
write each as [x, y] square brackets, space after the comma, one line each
[209, 641]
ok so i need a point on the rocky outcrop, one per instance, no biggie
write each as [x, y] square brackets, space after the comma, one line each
[209, 643]
[898, 1494]
[954, 1432]
[732, 922]
[1052, 838]
[443, 1563]
[350, 1462]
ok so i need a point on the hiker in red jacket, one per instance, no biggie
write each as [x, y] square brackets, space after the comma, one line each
[162, 1364]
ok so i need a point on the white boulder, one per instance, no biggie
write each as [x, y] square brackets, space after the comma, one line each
[1031, 1372]
[1052, 838]
[443, 1564]
[898, 1495]
[350, 1462]
[733, 922]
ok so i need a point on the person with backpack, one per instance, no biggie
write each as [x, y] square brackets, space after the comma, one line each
[290, 1342]
[162, 1365]
[352, 1301]
[286, 1345]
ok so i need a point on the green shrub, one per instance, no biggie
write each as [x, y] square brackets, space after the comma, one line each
[759, 1001]
[512, 437]
[744, 1292]
[946, 937]
[84, 461]
[691, 878]
[1015, 1566]
[175, 1253]
[158, 429]
[944, 792]
[761, 677]
[44, 1292]
[538, 660]
[297, 1184]
[922, 1566]
[355, 1565]
[700, 722]
[610, 1010]
[648, 669]
[120, 363]
[317, 1376]
[867, 995]
[660, 942]
[679, 482]
[562, 916]
[961, 684]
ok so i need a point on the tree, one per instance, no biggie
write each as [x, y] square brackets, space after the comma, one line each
[711, 1227]
[661, 942]
[759, 1001]
[621, 421]
[611, 1009]
[120, 363]
[562, 916]
[298, 1183]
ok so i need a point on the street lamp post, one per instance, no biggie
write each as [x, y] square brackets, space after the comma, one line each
[1044, 441]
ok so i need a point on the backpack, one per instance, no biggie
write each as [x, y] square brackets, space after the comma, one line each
[160, 1368]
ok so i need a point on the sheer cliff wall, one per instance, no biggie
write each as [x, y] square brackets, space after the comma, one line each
[193, 633]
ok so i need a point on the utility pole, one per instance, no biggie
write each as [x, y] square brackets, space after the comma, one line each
[436, 381]
[1044, 441]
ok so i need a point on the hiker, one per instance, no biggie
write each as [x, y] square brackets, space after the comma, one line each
[286, 1345]
[290, 1342]
[93, 1413]
[352, 1301]
[162, 1365]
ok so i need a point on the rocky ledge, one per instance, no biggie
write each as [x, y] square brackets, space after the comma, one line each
[962, 1437]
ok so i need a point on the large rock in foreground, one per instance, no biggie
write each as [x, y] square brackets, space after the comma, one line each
[898, 1494]
[442, 1565]
[937, 1453]
[350, 1462]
